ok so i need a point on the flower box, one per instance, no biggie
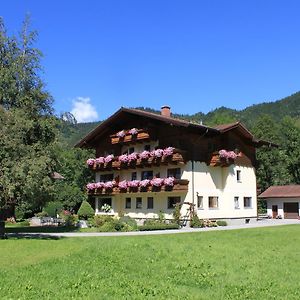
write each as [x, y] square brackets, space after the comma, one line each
[131, 135]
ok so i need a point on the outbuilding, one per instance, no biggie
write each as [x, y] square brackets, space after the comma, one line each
[283, 201]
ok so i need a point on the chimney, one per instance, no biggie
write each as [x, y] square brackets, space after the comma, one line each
[165, 111]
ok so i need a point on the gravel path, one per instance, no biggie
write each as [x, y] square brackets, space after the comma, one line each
[262, 223]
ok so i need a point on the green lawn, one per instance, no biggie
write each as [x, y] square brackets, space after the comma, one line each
[261, 263]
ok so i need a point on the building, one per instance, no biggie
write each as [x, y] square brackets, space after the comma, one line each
[146, 163]
[282, 201]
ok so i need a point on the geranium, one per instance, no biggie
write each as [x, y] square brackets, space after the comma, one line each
[90, 161]
[132, 157]
[144, 155]
[133, 183]
[169, 181]
[91, 186]
[109, 184]
[227, 154]
[108, 158]
[144, 183]
[232, 155]
[99, 185]
[157, 182]
[106, 208]
[121, 134]
[158, 152]
[133, 131]
[223, 153]
[100, 160]
[123, 158]
[123, 185]
[169, 151]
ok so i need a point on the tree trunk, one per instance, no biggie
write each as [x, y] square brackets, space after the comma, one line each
[2, 225]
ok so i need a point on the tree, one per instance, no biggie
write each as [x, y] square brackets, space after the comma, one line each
[28, 134]
[85, 211]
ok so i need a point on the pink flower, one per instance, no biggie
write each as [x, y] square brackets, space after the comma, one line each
[169, 151]
[232, 155]
[133, 131]
[123, 185]
[158, 152]
[132, 157]
[144, 183]
[227, 154]
[121, 134]
[223, 153]
[108, 158]
[109, 184]
[133, 183]
[91, 186]
[90, 161]
[99, 185]
[144, 155]
[123, 158]
[100, 160]
[169, 181]
[157, 182]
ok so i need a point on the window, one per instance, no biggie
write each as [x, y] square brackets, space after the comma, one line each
[175, 172]
[139, 203]
[147, 148]
[236, 203]
[103, 201]
[238, 175]
[247, 202]
[131, 150]
[200, 202]
[213, 202]
[128, 203]
[106, 177]
[172, 201]
[133, 176]
[147, 175]
[149, 202]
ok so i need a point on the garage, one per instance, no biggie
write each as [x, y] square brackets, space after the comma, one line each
[283, 202]
[291, 210]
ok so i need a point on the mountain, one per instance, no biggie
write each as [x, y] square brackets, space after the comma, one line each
[289, 106]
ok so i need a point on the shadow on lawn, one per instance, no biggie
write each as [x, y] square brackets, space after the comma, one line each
[34, 236]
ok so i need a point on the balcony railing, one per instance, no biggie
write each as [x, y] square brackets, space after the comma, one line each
[223, 158]
[177, 157]
[179, 185]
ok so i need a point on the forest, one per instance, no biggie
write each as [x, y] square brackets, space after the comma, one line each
[35, 142]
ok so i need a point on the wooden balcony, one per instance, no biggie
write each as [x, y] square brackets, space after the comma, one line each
[142, 135]
[180, 185]
[177, 158]
[217, 161]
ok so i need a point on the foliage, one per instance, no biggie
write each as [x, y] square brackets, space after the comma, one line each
[196, 222]
[99, 220]
[221, 223]
[41, 214]
[69, 218]
[177, 214]
[85, 211]
[158, 226]
[53, 208]
[129, 221]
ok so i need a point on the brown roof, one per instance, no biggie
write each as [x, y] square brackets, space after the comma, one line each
[281, 191]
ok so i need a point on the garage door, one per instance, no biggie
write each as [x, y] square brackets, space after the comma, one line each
[291, 210]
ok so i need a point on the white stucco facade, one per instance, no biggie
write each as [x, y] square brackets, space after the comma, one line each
[279, 202]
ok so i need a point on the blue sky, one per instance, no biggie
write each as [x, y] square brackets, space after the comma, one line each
[192, 55]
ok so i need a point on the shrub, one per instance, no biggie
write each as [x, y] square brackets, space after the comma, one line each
[107, 227]
[69, 218]
[177, 214]
[129, 221]
[85, 211]
[100, 220]
[41, 214]
[221, 223]
[158, 227]
[210, 223]
[196, 222]
[53, 208]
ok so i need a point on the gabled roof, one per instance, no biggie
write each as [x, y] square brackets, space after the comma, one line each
[281, 191]
[136, 112]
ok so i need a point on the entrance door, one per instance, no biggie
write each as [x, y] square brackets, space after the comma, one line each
[291, 210]
[274, 211]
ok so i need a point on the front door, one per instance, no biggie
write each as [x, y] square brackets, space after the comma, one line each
[274, 211]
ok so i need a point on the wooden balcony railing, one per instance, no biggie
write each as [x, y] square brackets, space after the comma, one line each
[179, 185]
[141, 135]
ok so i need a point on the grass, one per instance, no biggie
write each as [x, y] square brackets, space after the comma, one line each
[258, 263]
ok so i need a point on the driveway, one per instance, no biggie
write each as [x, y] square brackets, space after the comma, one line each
[261, 223]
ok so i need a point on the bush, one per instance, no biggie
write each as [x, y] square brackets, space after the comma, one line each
[53, 208]
[107, 227]
[85, 211]
[196, 222]
[221, 223]
[177, 214]
[100, 220]
[41, 214]
[158, 227]
[129, 221]
[69, 218]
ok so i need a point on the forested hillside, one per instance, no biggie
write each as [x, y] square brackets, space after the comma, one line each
[289, 106]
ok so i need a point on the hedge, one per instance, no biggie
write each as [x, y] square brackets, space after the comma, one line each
[158, 227]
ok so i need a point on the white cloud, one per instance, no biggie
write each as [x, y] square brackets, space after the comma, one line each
[83, 110]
